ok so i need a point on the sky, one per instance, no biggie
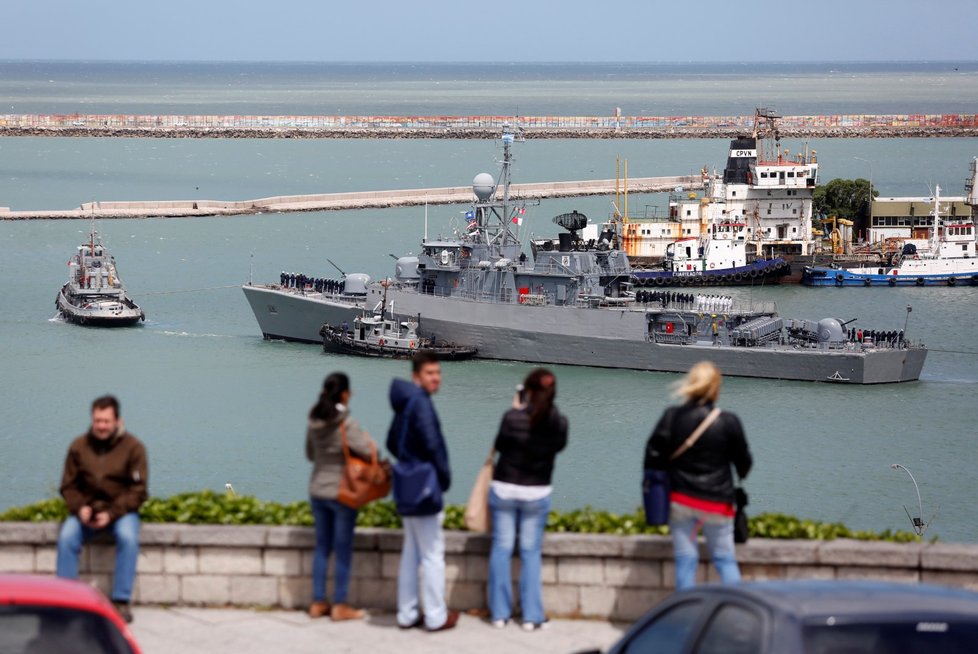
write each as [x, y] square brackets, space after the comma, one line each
[493, 31]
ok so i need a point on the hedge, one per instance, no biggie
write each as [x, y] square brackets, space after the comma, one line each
[209, 508]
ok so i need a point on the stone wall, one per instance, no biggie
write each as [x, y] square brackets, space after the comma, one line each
[584, 575]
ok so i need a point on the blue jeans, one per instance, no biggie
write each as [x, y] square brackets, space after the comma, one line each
[126, 531]
[684, 523]
[510, 517]
[334, 534]
[424, 548]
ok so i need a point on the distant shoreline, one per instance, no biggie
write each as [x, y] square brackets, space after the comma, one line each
[879, 132]
[481, 126]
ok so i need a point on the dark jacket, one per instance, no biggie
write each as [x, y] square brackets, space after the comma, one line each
[107, 475]
[423, 440]
[703, 471]
[526, 454]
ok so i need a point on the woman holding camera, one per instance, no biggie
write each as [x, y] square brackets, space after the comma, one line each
[529, 438]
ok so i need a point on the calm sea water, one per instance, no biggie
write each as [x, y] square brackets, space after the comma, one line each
[217, 404]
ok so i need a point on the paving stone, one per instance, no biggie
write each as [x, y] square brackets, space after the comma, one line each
[580, 570]
[180, 560]
[157, 589]
[254, 590]
[292, 537]
[101, 558]
[16, 558]
[29, 533]
[766, 550]
[641, 573]
[282, 562]
[582, 545]
[809, 572]
[465, 595]
[562, 600]
[633, 603]
[161, 534]
[375, 593]
[205, 589]
[597, 601]
[150, 560]
[847, 552]
[225, 536]
[45, 559]
[878, 573]
[294, 592]
[947, 556]
[230, 560]
[390, 564]
[646, 547]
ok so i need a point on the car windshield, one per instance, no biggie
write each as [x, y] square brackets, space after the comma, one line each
[54, 630]
[892, 638]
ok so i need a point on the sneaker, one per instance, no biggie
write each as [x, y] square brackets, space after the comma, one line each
[318, 609]
[342, 612]
[536, 626]
[450, 622]
[499, 624]
[122, 608]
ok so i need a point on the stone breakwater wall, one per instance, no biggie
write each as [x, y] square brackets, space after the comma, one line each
[350, 200]
[479, 126]
[676, 132]
[593, 576]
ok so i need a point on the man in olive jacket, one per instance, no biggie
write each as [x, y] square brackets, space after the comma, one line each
[104, 484]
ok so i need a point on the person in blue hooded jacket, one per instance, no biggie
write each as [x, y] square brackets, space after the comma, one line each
[415, 435]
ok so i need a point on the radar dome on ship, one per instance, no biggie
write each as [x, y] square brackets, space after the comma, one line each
[483, 186]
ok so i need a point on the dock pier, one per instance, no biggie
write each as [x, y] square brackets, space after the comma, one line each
[349, 200]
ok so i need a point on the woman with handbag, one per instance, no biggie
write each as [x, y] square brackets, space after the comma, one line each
[529, 438]
[329, 423]
[698, 443]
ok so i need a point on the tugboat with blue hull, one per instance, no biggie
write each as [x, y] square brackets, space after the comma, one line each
[950, 258]
[94, 295]
[716, 259]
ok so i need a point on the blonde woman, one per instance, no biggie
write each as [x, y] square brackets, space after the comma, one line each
[702, 483]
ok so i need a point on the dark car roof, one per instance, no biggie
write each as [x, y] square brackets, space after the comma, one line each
[808, 600]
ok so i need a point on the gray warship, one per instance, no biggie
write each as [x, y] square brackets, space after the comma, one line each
[574, 304]
[94, 294]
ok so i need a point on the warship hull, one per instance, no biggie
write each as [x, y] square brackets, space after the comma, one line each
[604, 338]
[285, 314]
[122, 314]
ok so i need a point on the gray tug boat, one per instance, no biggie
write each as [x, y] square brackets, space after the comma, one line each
[94, 294]
[575, 305]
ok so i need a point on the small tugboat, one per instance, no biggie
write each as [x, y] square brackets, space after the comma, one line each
[375, 336]
[390, 338]
[94, 294]
[951, 257]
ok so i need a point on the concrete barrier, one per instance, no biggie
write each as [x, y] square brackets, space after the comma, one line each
[594, 576]
[346, 200]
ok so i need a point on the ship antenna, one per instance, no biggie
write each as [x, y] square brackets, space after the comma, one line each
[907, 320]
[919, 526]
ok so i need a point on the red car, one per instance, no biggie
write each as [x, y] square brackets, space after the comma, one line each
[50, 615]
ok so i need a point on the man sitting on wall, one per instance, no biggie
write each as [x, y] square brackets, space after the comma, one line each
[104, 484]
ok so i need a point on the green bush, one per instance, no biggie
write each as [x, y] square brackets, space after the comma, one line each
[211, 508]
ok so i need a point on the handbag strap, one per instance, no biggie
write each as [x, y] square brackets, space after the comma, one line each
[346, 445]
[695, 436]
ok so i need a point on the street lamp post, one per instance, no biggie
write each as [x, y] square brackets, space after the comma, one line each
[870, 163]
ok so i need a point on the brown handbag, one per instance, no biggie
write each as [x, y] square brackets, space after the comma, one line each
[363, 481]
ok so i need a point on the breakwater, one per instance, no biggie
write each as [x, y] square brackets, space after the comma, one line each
[584, 575]
[481, 127]
[352, 200]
